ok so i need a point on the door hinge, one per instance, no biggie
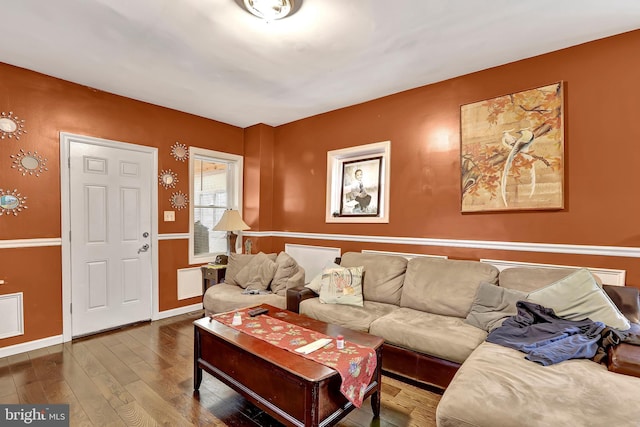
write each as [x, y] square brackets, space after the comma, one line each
[71, 308]
[69, 235]
[69, 162]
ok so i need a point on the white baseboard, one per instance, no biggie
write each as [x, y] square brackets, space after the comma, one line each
[58, 339]
[30, 345]
[178, 311]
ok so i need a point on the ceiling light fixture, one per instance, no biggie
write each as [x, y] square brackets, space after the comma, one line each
[270, 10]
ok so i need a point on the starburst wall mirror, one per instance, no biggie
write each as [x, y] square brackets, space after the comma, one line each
[29, 163]
[168, 178]
[180, 152]
[11, 126]
[11, 202]
[179, 200]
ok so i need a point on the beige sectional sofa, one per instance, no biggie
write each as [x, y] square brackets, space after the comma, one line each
[422, 309]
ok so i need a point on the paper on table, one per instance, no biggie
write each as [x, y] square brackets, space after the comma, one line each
[310, 348]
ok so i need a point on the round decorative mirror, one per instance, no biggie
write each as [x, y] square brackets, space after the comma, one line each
[29, 163]
[11, 202]
[168, 178]
[11, 126]
[179, 200]
[179, 151]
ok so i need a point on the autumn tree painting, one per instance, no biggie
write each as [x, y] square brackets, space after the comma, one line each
[512, 151]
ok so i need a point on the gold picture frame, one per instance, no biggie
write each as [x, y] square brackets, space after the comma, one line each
[512, 151]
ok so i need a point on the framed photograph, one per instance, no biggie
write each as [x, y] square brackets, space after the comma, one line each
[360, 195]
[358, 181]
[512, 151]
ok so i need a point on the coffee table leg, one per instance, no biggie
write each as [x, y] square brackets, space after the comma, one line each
[197, 370]
[375, 404]
[375, 397]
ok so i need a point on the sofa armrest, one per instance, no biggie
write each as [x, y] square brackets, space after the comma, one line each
[296, 295]
[625, 359]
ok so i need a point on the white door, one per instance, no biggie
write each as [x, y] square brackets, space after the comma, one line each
[110, 216]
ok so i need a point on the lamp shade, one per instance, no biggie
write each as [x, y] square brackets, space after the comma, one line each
[231, 221]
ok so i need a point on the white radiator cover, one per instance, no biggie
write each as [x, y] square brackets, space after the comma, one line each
[12, 319]
[189, 282]
[312, 258]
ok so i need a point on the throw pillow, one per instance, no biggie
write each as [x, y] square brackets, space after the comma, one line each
[288, 274]
[342, 286]
[578, 297]
[257, 274]
[316, 282]
[237, 262]
[492, 305]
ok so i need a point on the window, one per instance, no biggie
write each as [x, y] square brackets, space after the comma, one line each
[216, 184]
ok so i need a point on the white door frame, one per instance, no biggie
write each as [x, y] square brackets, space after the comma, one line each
[65, 200]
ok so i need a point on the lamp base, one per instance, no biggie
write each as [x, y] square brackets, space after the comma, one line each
[231, 238]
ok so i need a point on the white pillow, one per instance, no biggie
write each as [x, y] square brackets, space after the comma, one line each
[577, 297]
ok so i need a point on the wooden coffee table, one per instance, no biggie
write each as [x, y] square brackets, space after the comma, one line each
[291, 388]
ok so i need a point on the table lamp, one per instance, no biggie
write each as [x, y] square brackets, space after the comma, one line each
[230, 222]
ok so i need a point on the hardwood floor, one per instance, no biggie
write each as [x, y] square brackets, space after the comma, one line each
[142, 376]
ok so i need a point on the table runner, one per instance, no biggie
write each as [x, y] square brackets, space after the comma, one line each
[355, 363]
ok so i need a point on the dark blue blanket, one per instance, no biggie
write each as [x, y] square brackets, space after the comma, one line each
[546, 338]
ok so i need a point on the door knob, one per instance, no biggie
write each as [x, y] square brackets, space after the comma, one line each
[144, 248]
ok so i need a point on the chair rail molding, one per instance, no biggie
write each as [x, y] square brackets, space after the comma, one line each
[613, 251]
[30, 243]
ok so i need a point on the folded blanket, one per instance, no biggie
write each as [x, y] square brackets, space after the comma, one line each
[545, 337]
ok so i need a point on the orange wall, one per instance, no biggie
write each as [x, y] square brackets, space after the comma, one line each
[50, 106]
[285, 168]
[602, 156]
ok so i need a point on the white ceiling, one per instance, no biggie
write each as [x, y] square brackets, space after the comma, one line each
[211, 58]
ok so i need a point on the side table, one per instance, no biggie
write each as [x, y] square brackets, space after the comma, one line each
[212, 275]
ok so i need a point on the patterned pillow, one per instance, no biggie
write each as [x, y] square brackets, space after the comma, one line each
[342, 286]
[316, 283]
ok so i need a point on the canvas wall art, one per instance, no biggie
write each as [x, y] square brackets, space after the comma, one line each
[512, 151]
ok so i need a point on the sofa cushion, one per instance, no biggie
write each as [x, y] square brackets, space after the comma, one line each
[224, 297]
[446, 337]
[627, 299]
[497, 386]
[348, 316]
[529, 279]
[236, 263]
[288, 274]
[444, 286]
[492, 305]
[257, 274]
[342, 286]
[383, 275]
[577, 297]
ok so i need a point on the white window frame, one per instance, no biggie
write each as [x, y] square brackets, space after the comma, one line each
[234, 199]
